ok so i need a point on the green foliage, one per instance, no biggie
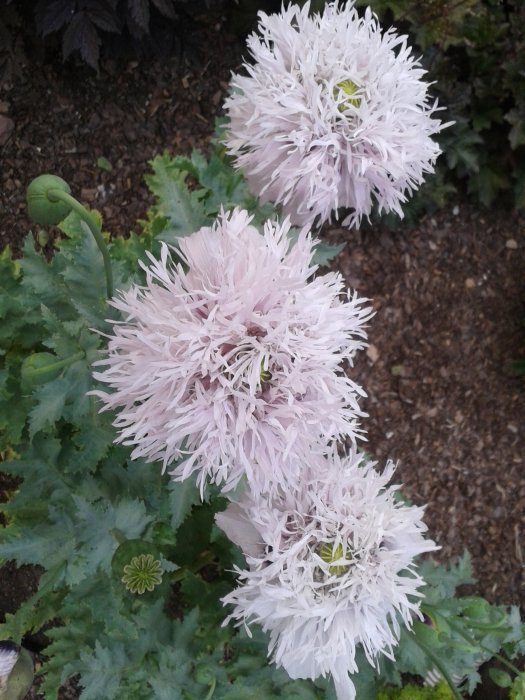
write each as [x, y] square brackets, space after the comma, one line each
[191, 191]
[517, 690]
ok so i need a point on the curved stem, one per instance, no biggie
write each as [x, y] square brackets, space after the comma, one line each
[55, 195]
[437, 663]
[212, 689]
[58, 365]
[204, 558]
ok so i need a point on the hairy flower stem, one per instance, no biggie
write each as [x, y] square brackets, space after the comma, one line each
[55, 195]
[437, 663]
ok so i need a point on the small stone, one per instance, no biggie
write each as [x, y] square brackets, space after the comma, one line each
[88, 194]
[511, 244]
[455, 210]
[372, 353]
[470, 283]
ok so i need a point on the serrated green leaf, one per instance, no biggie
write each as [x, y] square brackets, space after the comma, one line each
[83, 271]
[101, 671]
[88, 446]
[42, 280]
[14, 406]
[183, 495]
[39, 609]
[50, 400]
[19, 312]
[183, 210]
[95, 526]
[325, 252]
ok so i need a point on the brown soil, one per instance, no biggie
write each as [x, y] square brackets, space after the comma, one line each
[449, 294]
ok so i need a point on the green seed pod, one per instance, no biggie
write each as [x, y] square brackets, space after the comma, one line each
[42, 208]
[126, 551]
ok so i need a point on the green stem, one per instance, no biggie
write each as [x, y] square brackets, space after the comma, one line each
[57, 365]
[203, 559]
[437, 663]
[59, 195]
[118, 535]
[212, 689]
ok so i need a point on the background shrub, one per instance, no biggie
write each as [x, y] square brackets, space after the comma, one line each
[84, 27]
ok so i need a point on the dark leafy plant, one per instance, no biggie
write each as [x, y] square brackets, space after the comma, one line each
[83, 28]
[12, 50]
[82, 24]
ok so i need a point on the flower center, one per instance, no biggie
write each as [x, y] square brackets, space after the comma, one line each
[142, 573]
[348, 88]
[264, 374]
[329, 554]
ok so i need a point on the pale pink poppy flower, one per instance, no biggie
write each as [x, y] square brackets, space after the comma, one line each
[332, 113]
[329, 567]
[232, 364]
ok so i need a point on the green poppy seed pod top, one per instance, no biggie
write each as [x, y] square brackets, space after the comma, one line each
[42, 207]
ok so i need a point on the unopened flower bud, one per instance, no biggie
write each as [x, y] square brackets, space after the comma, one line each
[42, 207]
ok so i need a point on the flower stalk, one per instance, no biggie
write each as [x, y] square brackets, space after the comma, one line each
[437, 663]
[94, 228]
[49, 201]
